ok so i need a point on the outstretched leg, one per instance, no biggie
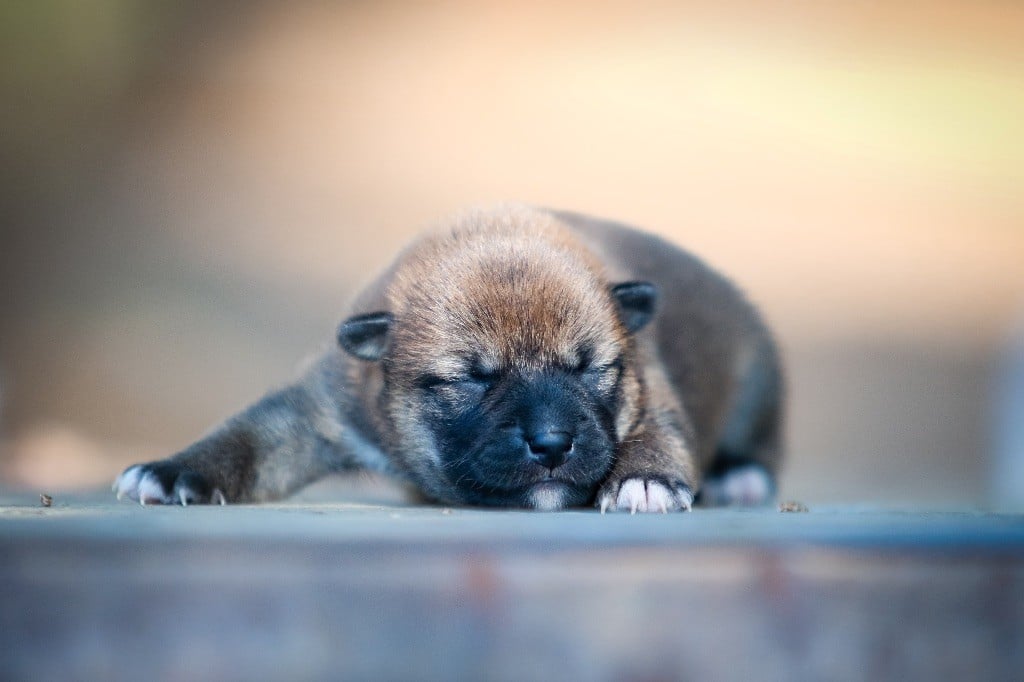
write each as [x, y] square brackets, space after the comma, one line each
[655, 470]
[285, 441]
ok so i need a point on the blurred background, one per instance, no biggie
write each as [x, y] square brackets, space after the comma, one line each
[193, 191]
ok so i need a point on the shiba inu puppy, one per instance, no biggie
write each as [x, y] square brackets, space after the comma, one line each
[518, 358]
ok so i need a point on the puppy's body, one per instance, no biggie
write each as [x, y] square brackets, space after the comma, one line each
[499, 363]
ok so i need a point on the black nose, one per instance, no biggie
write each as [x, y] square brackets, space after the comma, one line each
[550, 448]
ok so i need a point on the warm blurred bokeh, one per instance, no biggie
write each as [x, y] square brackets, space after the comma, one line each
[192, 192]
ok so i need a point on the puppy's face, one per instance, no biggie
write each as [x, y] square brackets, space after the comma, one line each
[539, 436]
[507, 382]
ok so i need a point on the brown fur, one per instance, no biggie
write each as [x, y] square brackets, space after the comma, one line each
[527, 294]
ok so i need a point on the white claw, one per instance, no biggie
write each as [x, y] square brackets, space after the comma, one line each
[647, 496]
[183, 498]
[148, 487]
[127, 484]
[686, 501]
[632, 496]
[218, 497]
[659, 498]
[605, 501]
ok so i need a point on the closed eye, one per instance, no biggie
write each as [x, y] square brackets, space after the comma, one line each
[475, 377]
[483, 375]
[429, 381]
[610, 369]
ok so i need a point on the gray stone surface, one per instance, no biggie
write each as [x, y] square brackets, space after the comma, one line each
[93, 590]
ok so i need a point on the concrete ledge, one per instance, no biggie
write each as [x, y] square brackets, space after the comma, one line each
[366, 592]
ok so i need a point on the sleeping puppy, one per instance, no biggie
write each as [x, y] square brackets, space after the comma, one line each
[517, 358]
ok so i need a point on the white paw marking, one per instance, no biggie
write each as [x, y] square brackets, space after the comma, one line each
[637, 495]
[127, 484]
[145, 488]
[149, 490]
[748, 486]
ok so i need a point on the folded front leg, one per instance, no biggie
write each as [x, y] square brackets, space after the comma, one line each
[654, 470]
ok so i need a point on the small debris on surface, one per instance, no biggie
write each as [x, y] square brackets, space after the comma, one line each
[45, 500]
[793, 506]
[446, 511]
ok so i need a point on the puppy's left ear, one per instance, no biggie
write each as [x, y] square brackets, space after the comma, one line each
[636, 302]
[366, 336]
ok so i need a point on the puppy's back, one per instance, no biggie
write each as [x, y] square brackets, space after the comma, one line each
[710, 342]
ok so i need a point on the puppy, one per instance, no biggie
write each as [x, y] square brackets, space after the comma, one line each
[518, 358]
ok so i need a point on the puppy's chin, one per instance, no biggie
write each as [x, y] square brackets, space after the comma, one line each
[545, 495]
[548, 496]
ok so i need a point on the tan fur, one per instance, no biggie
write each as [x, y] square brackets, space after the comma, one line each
[526, 293]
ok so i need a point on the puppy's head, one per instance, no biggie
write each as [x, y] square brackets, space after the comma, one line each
[507, 362]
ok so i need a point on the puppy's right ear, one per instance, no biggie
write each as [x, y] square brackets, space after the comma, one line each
[366, 336]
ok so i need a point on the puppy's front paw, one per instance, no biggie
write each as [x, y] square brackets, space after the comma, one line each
[166, 482]
[645, 494]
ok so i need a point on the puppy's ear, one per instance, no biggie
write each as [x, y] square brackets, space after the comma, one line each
[636, 302]
[366, 336]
